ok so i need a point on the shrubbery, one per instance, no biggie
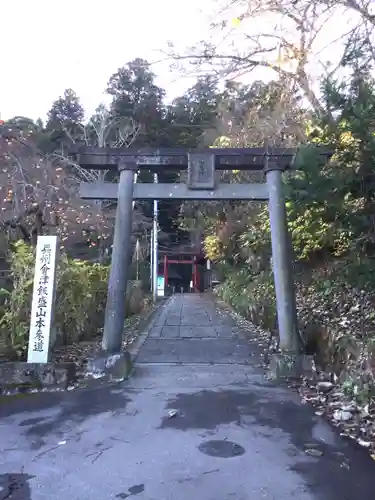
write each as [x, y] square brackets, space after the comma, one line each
[80, 301]
[252, 296]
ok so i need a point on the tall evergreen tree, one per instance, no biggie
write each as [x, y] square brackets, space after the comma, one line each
[135, 95]
[64, 120]
[193, 116]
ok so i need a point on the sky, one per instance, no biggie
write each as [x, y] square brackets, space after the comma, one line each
[49, 46]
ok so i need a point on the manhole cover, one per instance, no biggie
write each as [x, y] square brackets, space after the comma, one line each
[222, 449]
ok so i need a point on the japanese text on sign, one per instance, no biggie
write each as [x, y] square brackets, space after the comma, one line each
[43, 296]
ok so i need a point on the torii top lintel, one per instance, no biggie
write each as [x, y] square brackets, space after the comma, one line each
[97, 158]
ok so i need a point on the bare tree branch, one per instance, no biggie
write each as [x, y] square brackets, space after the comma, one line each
[284, 36]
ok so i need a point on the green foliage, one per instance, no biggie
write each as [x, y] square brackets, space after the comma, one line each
[66, 111]
[80, 297]
[135, 95]
[251, 295]
[80, 301]
[64, 122]
[192, 115]
[212, 248]
[332, 205]
[14, 323]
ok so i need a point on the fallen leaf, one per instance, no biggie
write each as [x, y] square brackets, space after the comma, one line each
[366, 444]
[314, 452]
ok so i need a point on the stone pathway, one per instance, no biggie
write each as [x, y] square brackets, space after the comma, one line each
[191, 330]
[197, 420]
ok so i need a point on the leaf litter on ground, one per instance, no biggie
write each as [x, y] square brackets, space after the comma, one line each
[353, 419]
[80, 352]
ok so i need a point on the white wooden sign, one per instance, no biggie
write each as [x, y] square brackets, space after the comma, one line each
[43, 300]
[160, 287]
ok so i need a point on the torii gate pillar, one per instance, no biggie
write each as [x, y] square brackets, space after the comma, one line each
[282, 261]
[121, 255]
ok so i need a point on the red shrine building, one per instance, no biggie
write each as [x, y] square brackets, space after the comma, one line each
[184, 269]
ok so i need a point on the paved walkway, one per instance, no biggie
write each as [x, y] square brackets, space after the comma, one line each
[197, 420]
[191, 330]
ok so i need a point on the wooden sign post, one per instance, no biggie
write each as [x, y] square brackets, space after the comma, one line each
[42, 308]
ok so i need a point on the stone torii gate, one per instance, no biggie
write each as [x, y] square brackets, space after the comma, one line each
[201, 185]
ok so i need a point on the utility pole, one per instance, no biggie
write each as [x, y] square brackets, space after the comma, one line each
[155, 260]
[151, 260]
[137, 252]
[135, 182]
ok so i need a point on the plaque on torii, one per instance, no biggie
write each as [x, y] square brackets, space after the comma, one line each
[201, 171]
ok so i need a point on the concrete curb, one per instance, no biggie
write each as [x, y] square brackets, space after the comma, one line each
[281, 366]
[16, 377]
[21, 376]
[150, 321]
[119, 367]
[290, 366]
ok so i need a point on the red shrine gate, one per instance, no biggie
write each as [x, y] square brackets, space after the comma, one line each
[196, 278]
